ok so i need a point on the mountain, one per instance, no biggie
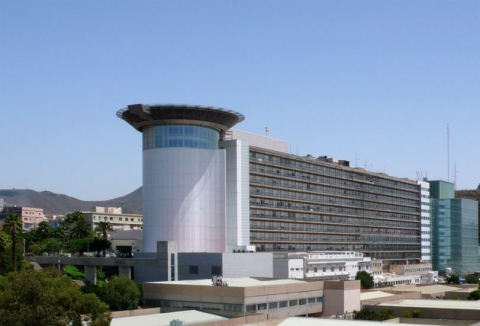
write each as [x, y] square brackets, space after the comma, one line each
[469, 194]
[53, 203]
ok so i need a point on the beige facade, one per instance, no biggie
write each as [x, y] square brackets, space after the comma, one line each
[115, 217]
[30, 216]
[276, 297]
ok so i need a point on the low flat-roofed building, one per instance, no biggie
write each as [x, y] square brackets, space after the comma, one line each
[236, 296]
[434, 291]
[438, 309]
[321, 265]
[189, 317]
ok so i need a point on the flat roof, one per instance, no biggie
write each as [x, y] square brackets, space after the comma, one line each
[429, 303]
[305, 321]
[234, 282]
[374, 295]
[189, 317]
[429, 289]
[140, 115]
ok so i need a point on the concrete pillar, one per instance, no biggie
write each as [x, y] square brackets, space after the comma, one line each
[91, 274]
[125, 271]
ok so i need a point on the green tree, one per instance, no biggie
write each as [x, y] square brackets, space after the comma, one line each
[407, 314]
[366, 280]
[366, 314]
[52, 245]
[452, 279]
[416, 313]
[43, 231]
[121, 293]
[79, 229]
[386, 314]
[13, 225]
[474, 295]
[471, 279]
[30, 297]
[104, 228]
[3, 248]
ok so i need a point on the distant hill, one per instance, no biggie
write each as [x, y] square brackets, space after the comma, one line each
[469, 194]
[53, 203]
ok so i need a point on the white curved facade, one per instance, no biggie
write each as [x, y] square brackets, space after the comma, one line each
[184, 198]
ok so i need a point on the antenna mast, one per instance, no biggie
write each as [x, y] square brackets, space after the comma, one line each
[448, 153]
[455, 175]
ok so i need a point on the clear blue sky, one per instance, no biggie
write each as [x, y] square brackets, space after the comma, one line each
[376, 80]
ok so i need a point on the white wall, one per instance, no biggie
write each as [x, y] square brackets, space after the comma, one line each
[184, 199]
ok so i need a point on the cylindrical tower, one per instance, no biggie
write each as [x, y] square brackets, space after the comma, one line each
[183, 174]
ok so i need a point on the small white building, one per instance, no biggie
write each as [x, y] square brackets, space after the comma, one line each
[114, 215]
[327, 265]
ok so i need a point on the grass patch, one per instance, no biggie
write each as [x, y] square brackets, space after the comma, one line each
[74, 272]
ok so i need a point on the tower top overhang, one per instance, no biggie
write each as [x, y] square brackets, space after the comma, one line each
[140, 115]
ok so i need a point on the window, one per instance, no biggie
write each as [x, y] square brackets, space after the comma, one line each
[251, 307]
[332, 268]
[324, 269]
[302, 302]
[319, 299]
[311, 300]
[272, 305]
[262, 306]
[283, 304]
[293, 303]
[193, 269]
[216, 270]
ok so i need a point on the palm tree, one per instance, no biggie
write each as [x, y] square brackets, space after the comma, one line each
[79, 229]
[104, 228]
[13, 225]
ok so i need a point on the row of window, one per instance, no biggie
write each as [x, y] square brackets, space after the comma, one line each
[322, 168]
[315, 198]
[269, 236]
[238, 307]
[328, 209]
[188, 136]
[287, 179]
[283, 304]
[341, 175]
[345, 227]
[116, 218]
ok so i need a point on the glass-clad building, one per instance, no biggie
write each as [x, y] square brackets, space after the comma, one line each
[455, 230]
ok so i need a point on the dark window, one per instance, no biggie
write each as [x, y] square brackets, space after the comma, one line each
[216, 270]
[193, 269]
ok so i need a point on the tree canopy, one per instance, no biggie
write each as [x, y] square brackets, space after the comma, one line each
[452, 279]
[121, 293]
[13, 226]
[366, 280]
[48, 298]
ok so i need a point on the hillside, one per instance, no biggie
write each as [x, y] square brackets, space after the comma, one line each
[53, 203]
[469, 194]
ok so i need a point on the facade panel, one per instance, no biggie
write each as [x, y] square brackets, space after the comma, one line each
[184, 198]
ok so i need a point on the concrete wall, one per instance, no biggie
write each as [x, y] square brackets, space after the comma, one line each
[341, 297]
[259, 264]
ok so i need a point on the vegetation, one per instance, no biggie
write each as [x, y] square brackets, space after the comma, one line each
[474, 295]
[48, 298]
[121, 293]
[366, 280]
[471, 279]
[367, 314]
[13, 226]
[452, 279]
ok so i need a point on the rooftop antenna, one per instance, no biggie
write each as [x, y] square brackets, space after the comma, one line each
[356, 160]
[266, 131]
[448, 153]
[455, 175]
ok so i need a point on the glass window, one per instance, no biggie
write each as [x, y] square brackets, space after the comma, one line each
[293, 303]
[283, 304]
[180, 136]
[251, 307]
[272, 305]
